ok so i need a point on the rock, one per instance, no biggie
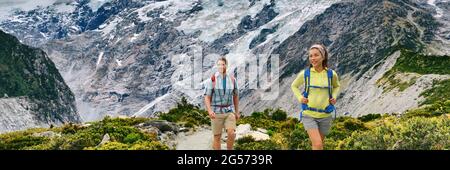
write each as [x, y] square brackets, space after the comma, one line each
[259, 136]
[183, 129]
[162, 125]
[242, 129]
[245, 130]
[123, 116]
[190, 132]
[48, 134]
[261, 130]
[170, 135]
[168, 138]
[105, 139]
[86, 125]
[150, 130]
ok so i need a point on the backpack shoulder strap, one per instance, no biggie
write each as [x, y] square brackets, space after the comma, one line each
[330, 79]
[307, 77]
[213, 80]
[233, 80]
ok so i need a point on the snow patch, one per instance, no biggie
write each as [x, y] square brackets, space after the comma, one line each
[439, 11]
[99, 58]
[134, 37]
[119, 63]
[170, 8]
[74, 28]
[214, 20]
[95, 4]
[65, 7]
[292, 15]
[7, 7]
[106, 28]
[148, 106]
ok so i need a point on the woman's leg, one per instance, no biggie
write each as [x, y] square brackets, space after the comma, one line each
[316, 139]
[324, 127]
[322, 136]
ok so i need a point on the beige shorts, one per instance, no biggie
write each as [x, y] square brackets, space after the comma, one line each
[225, 120]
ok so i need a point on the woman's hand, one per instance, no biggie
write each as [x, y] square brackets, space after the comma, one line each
[305, 100]
[333, 101]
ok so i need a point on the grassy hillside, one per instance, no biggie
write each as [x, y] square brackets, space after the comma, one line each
[124, 133]
[424, 128]
[409, 66]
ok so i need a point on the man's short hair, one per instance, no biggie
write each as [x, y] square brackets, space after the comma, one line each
[223, 59]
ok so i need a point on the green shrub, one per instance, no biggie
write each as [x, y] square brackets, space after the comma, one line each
[436, 109]
[148, 145]
[132, 137]
[69, 128]
[255, 123]
[260, 115]
[187, 114]
[110, 146]
[439, 92]
[299, 139]
[413, 134]
[415, 62]
[354, 125]
[20, 142]
[245, 139]
[279, 115]
[258, 145]
[369, 117]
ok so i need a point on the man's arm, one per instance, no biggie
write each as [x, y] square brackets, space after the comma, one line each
[212, 115]
[236, 100]
[208, 95]
[208, 104]
[236, 103]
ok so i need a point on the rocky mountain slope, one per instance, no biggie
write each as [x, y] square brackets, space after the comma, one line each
[33, 93]
[135, 58]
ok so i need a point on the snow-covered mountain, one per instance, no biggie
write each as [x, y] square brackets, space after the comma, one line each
[54, 19]
[131, 57]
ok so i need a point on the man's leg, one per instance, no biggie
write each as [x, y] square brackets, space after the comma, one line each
[216, 142]
[230, 126]
[217, 124]
[230, 140]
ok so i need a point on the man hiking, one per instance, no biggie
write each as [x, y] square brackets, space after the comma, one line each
[222, 104]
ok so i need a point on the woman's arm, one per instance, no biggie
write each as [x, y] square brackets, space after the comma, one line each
[299, 80]
[336, 85]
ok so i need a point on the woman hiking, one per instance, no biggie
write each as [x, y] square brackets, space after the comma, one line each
[319, 95]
